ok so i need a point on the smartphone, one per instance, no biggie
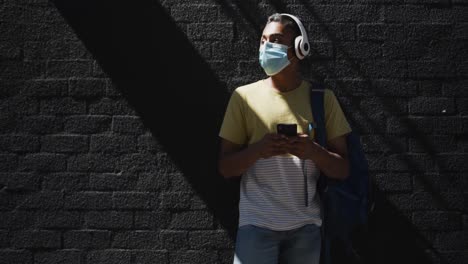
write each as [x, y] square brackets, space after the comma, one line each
[289, 130]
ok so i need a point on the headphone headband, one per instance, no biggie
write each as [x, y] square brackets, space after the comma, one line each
[301, 43]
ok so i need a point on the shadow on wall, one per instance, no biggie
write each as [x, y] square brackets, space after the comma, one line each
[182, 102]
[178, 97]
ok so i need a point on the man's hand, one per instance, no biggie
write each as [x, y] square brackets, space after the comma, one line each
[272, 144]
[301, 146]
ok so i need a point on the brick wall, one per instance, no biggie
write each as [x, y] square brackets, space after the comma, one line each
[109, 114]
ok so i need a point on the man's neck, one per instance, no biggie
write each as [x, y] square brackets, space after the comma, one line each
[285, 82]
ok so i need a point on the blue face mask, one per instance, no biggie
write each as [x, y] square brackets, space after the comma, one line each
[273, 57]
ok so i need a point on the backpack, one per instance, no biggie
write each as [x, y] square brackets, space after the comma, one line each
[346, 204]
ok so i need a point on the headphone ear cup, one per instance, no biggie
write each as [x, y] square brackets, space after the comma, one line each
[297, 47]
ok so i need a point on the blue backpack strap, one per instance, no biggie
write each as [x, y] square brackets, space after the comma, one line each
[318, 111]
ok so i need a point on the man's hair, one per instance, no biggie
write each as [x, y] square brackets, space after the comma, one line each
[288, 23]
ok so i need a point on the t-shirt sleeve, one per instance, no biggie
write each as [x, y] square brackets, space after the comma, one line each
[335, 120]
[233, 127]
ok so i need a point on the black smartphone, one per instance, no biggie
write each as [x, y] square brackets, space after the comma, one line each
[289, 130]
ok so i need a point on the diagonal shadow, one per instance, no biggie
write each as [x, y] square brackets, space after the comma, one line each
[389, 232]
[174, 91]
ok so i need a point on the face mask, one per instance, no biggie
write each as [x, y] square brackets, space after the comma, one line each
[273, 57]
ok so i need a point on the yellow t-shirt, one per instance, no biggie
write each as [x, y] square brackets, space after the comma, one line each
[255, 109]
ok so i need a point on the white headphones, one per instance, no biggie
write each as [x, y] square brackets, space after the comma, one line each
[301, 43]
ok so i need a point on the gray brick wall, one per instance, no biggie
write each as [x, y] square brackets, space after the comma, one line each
[105, 159]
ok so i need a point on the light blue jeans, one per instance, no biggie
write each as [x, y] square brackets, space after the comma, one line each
[257, 245]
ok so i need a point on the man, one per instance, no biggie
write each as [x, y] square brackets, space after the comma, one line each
[279, 208]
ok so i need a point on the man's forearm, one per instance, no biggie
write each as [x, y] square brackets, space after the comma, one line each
[235, 163]
[331, 164]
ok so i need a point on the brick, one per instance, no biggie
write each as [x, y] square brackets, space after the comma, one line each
[409, 125]
[193, 256]
[87, 239]
[87, 88]
[384, 105]
[68, 68]
[64, 106]
[148, 143]
[441, 182]
[45, 200]
[385, 68]
[42, 124]
[36, 239]
[239, 49]
[225, 256]
[401, 182]
[431, 69]
[43, 162]
[55, 50]
[176, 200]
[8, 162]
[321, 49]
[136, 240]
[9, 256]
[433, 144]
[378, 32]
[437, 220]
[354, 50]
[109, 220]
[87, 124]
[10, 87]
[211, 31]
[152, 220]
[59, 256]
[198, 203]
[19, 143]
[425, 200]
[109, 256]
[178, 183]
[410, 162]
[363, 123]
[94, 162]
[66, 181]
[192, 220]
[64, 144]
[4, 240]
[431, 106]
[20, 181]
[423, 31]
[460, 31]
[217, 239]
[152, 182]
[452, 240]
[18, 220]
[59, 219]
[19, 105]
[147, 163]
[127, 125]
[109, 106]
[332, 31]
[111, 181]
[455, 88]
[14, 70]
[462, 106]
[430, 88]
[450, 162]
[8, 50]
[135, 200]
[174, 240]
[194, 13]
[113, 144]
[151, 256]
[88, 200]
